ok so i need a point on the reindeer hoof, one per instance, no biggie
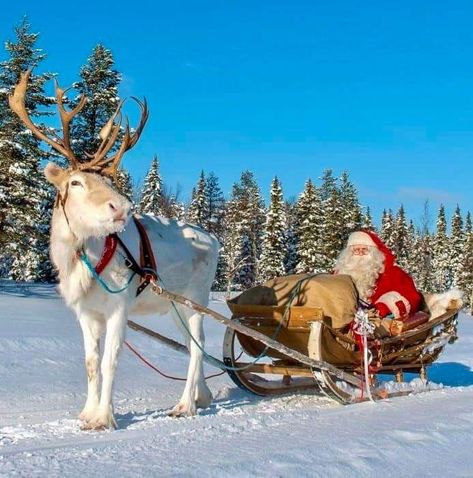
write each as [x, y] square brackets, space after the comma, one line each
[102, 421]
[87, 414]
[92, 426]
[204, 397]
[183, 410]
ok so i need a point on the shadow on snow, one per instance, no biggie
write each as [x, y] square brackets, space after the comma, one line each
[451, 374]
[28, 289]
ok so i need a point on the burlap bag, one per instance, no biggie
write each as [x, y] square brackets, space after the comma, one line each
[336, 295]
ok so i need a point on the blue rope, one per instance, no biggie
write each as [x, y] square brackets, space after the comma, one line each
[218, 363]
[96, 276]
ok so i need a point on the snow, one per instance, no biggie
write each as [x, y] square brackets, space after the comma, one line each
[43, 383]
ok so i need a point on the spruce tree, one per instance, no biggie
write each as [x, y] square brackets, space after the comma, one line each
[350, 207]
[124, 184]
[387, 228]
[244, 220]
[169, 204]
[468, 223]
[271, 262]
[99, 84]
[367, 220]
[465, 272]
[456, 243]
[409, 245]
[199, 213]
[328, 184]
[215, 225]
[333, 229]
[177, 209]
[253, 216]
[420, 262]
[25, 196]
[441, 254]
[216, 206]
[151, 200]
[232, 245]
[400, 239]
[310, 246]
[290, 258]
[421, 256]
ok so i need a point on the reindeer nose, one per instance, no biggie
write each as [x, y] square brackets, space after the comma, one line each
[127, 208]
[116, 208]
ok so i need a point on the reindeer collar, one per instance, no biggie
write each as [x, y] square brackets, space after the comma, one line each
[109, 248]
[146, 269]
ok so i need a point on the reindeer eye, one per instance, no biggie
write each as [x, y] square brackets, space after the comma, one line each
[76, 183]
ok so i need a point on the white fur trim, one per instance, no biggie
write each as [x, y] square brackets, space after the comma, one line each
[438, 304]
[359, 238]
[390, 299]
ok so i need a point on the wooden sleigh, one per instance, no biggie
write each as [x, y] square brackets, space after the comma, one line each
[276, 349]
[264, 371]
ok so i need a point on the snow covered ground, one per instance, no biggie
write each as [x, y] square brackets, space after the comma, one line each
[43, 383]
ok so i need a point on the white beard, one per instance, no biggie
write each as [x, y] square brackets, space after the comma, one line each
[364, 270]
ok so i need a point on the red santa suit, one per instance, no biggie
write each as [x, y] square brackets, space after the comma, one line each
[395, 292]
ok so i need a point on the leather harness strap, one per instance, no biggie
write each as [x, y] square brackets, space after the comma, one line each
[146, 269]
[148, 263]
[109, 249]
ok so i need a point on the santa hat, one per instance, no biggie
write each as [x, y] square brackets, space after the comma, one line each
[360, 238]
[369, 238]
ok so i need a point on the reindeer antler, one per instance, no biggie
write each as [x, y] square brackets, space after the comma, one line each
[61, 145]
[98, 161]
[109, 134]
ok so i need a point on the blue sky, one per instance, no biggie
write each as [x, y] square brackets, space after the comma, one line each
[381, 89]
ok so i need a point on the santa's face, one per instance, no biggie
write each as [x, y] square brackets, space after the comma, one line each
[360, 250]
[364, 264]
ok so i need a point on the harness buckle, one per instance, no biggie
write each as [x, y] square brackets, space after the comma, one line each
[156, 287]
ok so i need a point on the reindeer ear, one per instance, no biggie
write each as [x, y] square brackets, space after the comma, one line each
[55, 174]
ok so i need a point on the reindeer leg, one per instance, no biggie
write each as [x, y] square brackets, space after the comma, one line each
[196, 393]
[203, 395]
[114, 337]
[91, 330]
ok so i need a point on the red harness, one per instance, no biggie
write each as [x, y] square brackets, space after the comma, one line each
[109, 249]
[147, 267]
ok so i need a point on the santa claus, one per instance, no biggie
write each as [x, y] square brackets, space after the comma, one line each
[380, 282]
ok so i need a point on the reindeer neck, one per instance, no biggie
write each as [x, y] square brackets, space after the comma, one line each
[65, 244]
[74, 278]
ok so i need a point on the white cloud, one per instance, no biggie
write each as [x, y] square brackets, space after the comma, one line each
[435, 195]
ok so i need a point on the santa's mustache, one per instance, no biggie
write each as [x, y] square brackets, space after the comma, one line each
[364, 270]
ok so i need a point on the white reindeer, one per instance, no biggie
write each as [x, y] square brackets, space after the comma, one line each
[87, 210]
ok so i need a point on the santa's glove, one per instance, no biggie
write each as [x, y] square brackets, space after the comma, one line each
[382, 308]
[373, 313]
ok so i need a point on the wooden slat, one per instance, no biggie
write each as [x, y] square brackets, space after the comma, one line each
[276, 369]
[297, 316]
[268, 325]
[393, 368]
[274, 311]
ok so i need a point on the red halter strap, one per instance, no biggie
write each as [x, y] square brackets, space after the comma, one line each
[147, 267]
[107, 254]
